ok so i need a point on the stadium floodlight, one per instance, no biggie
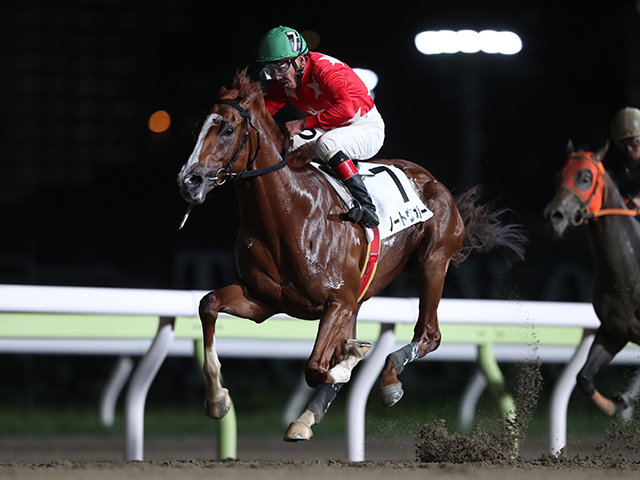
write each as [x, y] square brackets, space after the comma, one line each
[468, 40]
[432, 42]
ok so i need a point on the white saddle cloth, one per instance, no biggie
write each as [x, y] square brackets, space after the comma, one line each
[397, 203]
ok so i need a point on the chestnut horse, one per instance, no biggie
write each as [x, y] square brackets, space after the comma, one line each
[296, 255]
[586, 194]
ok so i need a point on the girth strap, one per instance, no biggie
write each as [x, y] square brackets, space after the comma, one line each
[373, 253]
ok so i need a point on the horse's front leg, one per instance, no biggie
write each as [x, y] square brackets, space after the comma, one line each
[426, 334]
[602, 351]
[334, 343]
[354, 351]
[234, 300]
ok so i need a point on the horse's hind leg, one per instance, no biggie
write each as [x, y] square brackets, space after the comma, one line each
[426, 334]
[602, 351]
[234, 300]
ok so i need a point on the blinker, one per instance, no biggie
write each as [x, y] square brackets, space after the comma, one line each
[592, 196]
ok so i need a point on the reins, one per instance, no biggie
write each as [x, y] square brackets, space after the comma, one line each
[611, 211]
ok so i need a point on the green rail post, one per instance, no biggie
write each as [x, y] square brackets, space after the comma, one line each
[228, 428]
[495, 380]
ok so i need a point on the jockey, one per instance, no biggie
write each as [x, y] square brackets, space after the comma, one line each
[342, 123]
[625, 130]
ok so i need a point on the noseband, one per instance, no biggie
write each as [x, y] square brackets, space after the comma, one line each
[224, 172]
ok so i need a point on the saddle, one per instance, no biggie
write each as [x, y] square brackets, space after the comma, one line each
[397, 203]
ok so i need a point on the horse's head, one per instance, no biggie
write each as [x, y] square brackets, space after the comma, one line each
[222, 145]
[230, 140]
[580, 190]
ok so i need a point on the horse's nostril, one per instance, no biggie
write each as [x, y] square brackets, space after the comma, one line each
[578, 217]
[193, 181]
[556, 215]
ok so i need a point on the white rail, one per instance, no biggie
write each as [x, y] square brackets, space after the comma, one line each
[391, 313]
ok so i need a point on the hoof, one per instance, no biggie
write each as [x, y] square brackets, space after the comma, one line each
[391, 395]
[297, 432]
[219, 408]
[357, 347]
[623, 401]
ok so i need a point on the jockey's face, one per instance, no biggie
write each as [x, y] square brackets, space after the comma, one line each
[631, 149]
[289, 80]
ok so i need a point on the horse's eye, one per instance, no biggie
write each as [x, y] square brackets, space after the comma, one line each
[583, 179]
[227, 130]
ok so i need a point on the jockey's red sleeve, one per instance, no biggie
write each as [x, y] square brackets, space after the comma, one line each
[330, 93]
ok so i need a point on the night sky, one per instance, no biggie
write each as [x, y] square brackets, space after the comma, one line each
[88, 193]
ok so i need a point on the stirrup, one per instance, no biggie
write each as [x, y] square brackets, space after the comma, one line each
[357, 215]
[354, 214]
[370, 219]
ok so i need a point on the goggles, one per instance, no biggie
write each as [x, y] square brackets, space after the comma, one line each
[275, 69]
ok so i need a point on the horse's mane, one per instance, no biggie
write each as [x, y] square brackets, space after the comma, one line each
[249, 92]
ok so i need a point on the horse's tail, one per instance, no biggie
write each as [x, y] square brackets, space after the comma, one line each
[484, 231]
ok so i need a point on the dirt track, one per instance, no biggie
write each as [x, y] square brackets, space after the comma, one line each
[293, 470]
[296, 470]
[74, 458]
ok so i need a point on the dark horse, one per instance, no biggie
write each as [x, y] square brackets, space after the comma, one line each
[586, 194]
[296, 255]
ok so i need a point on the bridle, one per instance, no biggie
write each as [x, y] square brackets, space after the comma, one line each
[591, 198]
[224, 173]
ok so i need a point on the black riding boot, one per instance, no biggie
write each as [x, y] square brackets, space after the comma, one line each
[365, 212]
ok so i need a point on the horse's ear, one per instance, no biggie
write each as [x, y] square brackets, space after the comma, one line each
[570, 149]
[599, 155]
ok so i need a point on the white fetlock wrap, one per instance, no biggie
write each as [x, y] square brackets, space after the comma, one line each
[354, 351]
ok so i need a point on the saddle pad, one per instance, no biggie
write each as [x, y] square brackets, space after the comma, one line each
[397, 203]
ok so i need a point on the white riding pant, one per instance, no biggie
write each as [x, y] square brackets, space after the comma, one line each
[359, 140]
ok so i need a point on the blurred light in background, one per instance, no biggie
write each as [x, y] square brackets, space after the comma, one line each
[312, 38]
[468, 41]
[159, 121]
[369, 78]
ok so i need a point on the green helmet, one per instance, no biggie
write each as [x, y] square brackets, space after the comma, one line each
[281, 43]
[625, 124]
